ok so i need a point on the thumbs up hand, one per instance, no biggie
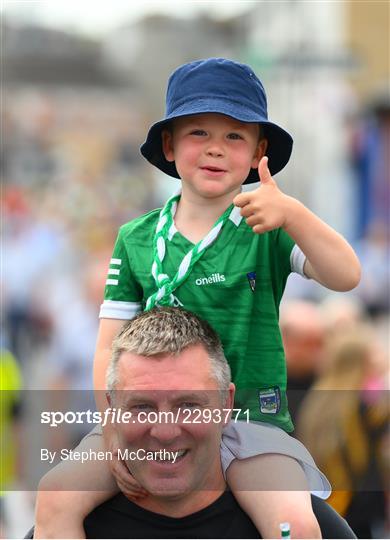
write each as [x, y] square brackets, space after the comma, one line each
[265, 208]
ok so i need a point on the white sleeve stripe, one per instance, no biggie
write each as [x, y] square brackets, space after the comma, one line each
[111, 309]
[111, 282]
[297, 261]
[114, 271]
[116, 261]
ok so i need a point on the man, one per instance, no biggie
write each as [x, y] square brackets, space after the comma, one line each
[172, 349]
[187, 494]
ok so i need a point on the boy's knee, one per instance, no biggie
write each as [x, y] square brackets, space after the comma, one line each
[297, 510]
[50, 497]
[49, 482]
[57, 511]
[48, 508]
[305, 527]
[54, 497]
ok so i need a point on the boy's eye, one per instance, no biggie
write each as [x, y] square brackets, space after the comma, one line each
[234, 136]
[198, 132]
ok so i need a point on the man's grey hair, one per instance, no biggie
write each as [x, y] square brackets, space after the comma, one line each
[168, 330]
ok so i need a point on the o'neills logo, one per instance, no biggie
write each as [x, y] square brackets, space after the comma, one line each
[214, 278]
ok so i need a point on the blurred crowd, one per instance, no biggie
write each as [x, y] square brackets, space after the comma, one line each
[338, 395]
[71, 175]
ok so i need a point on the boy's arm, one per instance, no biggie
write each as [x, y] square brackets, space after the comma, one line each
[330, 260]
[108, 329]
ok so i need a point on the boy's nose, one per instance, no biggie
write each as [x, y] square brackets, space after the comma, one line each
[214, 150]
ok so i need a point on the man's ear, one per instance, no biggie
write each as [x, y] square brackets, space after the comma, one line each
[229, 403]
[108, 397]
[167, 145]
[260, 151]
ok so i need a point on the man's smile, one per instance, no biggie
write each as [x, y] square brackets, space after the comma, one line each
[171, 456]
[171, 459]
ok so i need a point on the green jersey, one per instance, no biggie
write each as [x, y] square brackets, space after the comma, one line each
[236, 286]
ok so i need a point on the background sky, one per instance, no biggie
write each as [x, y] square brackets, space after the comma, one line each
[88, 18]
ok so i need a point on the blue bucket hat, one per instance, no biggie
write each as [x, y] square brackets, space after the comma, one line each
[217, 85]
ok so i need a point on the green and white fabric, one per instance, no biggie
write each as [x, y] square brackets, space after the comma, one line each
[165, 286]
[236, 285]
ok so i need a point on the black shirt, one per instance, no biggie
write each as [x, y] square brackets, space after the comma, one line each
[120, 518]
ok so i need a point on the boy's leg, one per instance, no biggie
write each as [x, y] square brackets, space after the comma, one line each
[272, 489]
[271, 474]
[70, 491]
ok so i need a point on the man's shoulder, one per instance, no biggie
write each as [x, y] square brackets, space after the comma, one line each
[120, 518]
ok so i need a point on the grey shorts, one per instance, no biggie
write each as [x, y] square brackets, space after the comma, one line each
[241, 440]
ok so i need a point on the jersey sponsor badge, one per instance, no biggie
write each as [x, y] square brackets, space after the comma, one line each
[214, 278]
[252, 280]
[269, 399]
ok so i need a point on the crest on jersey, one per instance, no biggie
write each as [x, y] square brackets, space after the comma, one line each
[252, 280]
[269, 399]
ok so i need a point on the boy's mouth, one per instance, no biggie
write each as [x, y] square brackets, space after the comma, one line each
[211, 169]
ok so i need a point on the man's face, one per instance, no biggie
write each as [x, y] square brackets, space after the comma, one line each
[171, 384]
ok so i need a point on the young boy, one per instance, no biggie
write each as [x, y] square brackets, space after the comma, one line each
[199, 252]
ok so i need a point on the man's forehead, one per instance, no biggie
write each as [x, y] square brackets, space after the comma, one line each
[190, 369]
[201, 396]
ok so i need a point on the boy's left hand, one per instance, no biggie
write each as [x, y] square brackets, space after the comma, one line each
[265, 208]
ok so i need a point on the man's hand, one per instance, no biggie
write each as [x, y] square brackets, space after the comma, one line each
[125, 480]
[265, 208]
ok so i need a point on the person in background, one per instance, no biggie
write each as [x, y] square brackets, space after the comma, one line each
[344, 422]
[342, 313]
[303, 333]
[10, 401]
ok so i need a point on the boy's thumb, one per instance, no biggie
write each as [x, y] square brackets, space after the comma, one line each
[264, 172]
